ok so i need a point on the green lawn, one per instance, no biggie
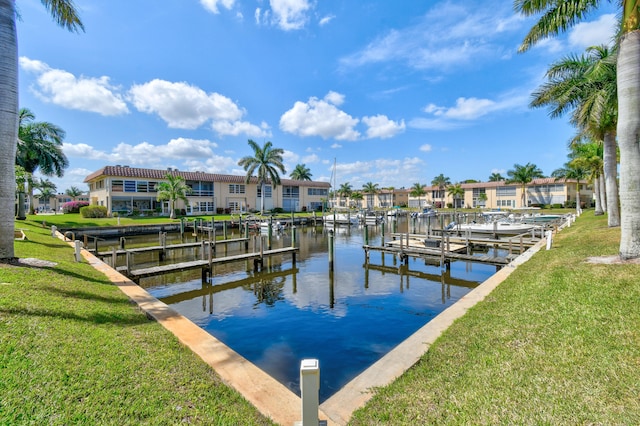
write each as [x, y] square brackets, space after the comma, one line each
[558, 342]
[74, 350]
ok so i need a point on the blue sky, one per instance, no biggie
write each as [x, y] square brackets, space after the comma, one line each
[393, 92]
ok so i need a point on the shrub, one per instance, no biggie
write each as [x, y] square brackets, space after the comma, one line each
[93, 211]
[74, 206]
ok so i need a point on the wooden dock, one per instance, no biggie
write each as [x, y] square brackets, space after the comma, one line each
[162, 248]
[207, 265]
[445, 256]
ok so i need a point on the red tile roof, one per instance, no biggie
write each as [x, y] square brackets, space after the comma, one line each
[134, 172]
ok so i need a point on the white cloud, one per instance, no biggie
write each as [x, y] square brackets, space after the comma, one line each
[470, 109]
[287, 15]
[145, 152]
[594, 33]
[425, 148]
[381, 127]
[320, 117]
[325, 20]
[80, 93]
[290, 14]
[184, 106]
[336, 145]
[212, 5]
[447, 36]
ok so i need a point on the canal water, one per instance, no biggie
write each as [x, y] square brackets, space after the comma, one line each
[347, 318]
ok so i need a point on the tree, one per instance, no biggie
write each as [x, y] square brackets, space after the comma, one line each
[64, 13]
[523, 175]
[357, 197]
[175, 188]
[73, 192]
[586, 85]
[39, 147]
[558, 16]
[21, 183]
[370, 189]
[417, 190]
[572, 170]
[456, 192]
[588, 156]
[265, 163]
[301, 172]
[47, 191]
[441, 181]
[496, 177]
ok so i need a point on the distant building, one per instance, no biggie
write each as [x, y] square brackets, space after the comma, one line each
[127, 190]
[494, 195]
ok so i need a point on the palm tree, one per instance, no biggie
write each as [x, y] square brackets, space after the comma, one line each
[21, 182]
[483, 198]
[441, 181]
[64, 13]
[417, 190]
[357, 197]
[586, 85]
[589, 157]
[558, 16]
[73, 192]
[523, 175]
[572, 170]
[265, 162]
[370, 189]
[456, 192]
[345, 190]
[47, 191]
[175, 188]
[496, 177]
[301, 172]
[39, 147]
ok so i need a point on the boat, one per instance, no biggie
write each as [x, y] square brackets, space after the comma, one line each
[428, 212]
[497, 227]
[334, 219]
[276, 226]
[370, 217]
[541, 218]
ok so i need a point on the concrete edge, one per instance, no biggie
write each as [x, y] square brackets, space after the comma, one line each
[269, 396]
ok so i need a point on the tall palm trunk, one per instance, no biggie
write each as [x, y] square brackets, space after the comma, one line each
[628, 139]
[603, 193]
[8, 124]
[610, 176]
[596, 193]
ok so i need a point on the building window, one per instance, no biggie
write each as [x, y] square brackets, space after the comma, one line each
[506, 191]
[291, 192]
[117, 186]
[235, 188]
[142, 186]
[267, 191]
[129, 186]
[204, 207]
[317, 191]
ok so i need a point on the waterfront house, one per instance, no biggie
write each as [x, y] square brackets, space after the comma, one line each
[131, 190]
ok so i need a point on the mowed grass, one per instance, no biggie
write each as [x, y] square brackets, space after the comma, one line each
[558, 342]
[75, 351]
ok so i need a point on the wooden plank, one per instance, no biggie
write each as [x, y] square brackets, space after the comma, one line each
[195, 264]
[169, 247]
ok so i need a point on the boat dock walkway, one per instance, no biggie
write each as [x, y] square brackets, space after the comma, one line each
[451, 247]
[162, 248]
[206, 265]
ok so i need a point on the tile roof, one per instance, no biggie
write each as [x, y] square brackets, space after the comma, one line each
[135, 172]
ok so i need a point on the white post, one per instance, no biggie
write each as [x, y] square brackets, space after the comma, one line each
[78, 247]
[54, 229]
[309, 388]
[549, 239]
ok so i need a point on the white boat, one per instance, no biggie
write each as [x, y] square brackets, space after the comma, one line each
[370, 217]
[541, 218]
[276, 226]
[498, 227]
[427, 212]
[341, 219]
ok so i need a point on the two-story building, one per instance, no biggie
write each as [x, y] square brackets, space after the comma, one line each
[127, 190]
[503, 195]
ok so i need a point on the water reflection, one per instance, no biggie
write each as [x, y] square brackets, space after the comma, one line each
[347, 318]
